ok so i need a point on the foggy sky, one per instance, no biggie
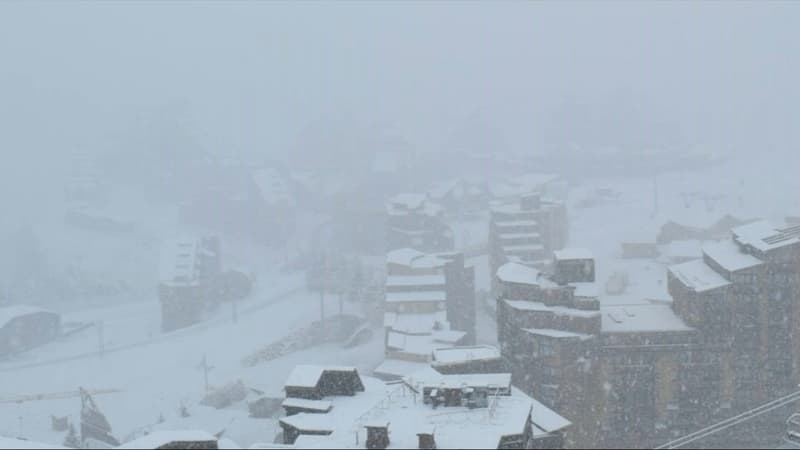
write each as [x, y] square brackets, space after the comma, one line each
[244, 78]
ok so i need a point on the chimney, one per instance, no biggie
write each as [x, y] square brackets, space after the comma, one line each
[426, 440]
[377, 435]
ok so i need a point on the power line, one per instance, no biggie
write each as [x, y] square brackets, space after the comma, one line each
[735, 420]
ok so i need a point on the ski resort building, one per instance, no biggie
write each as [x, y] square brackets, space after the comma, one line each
[640, 373]
[743, 297]
[429, 304]
[424, 410]
[526, 229]
[415, 221]
[24, 327]
[185, 289]
[624, 374]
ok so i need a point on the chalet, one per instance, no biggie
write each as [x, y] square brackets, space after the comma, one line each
[188, 269]
[316, 382]
[430, 410]
[24, 327]
[174, 440]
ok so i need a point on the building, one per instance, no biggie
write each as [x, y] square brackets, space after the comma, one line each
[415, 221]
[468, 360]
[624, 374]
[526, 229]
[429, 304]
[742, 297]
[427, 410]
[233, 198]
[24, 327]
[187, 272]
[174, 440]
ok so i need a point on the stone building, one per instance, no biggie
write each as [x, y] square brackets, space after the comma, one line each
[641, 373]
[742, 297]
[615, 370]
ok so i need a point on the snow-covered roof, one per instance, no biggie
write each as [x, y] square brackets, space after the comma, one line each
[422, 345]
[9, 313]
[398, 367]
[543, 417]
[416, 296]
[728, 255]
[525, 305]
[402, 204]
[403, 256]
[157, 439]
[312, 405]
[573, 253]
[414, 259]
[698, 276]
[556, 334]
[647, 318]
[514, 272]
[414, 323]
[454, 427]
[432, 378]
[14, 443]
[764, 237]
[586, 289]
[415, 280]
[308, 375]
[465, 354]
[310, 422]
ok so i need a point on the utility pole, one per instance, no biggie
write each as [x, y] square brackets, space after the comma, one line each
[206, 368]
[655, 196]
[323, 280]
[100, 338]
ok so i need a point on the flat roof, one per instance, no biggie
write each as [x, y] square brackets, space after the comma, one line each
[158, 438]
[573, 253]
[556, 334]
[415, 280]
[764, 236]
[465, 354]
[698, 276]
[416, 296]
[525, 305]
[728, 255]
[645, 318]
[514, 272]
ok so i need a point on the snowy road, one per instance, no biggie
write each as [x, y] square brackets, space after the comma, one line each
[216, 321]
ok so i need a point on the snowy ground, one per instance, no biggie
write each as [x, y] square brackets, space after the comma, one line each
[157, 372]
[157, 376]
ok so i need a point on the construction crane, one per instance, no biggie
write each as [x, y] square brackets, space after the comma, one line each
[736, 420]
